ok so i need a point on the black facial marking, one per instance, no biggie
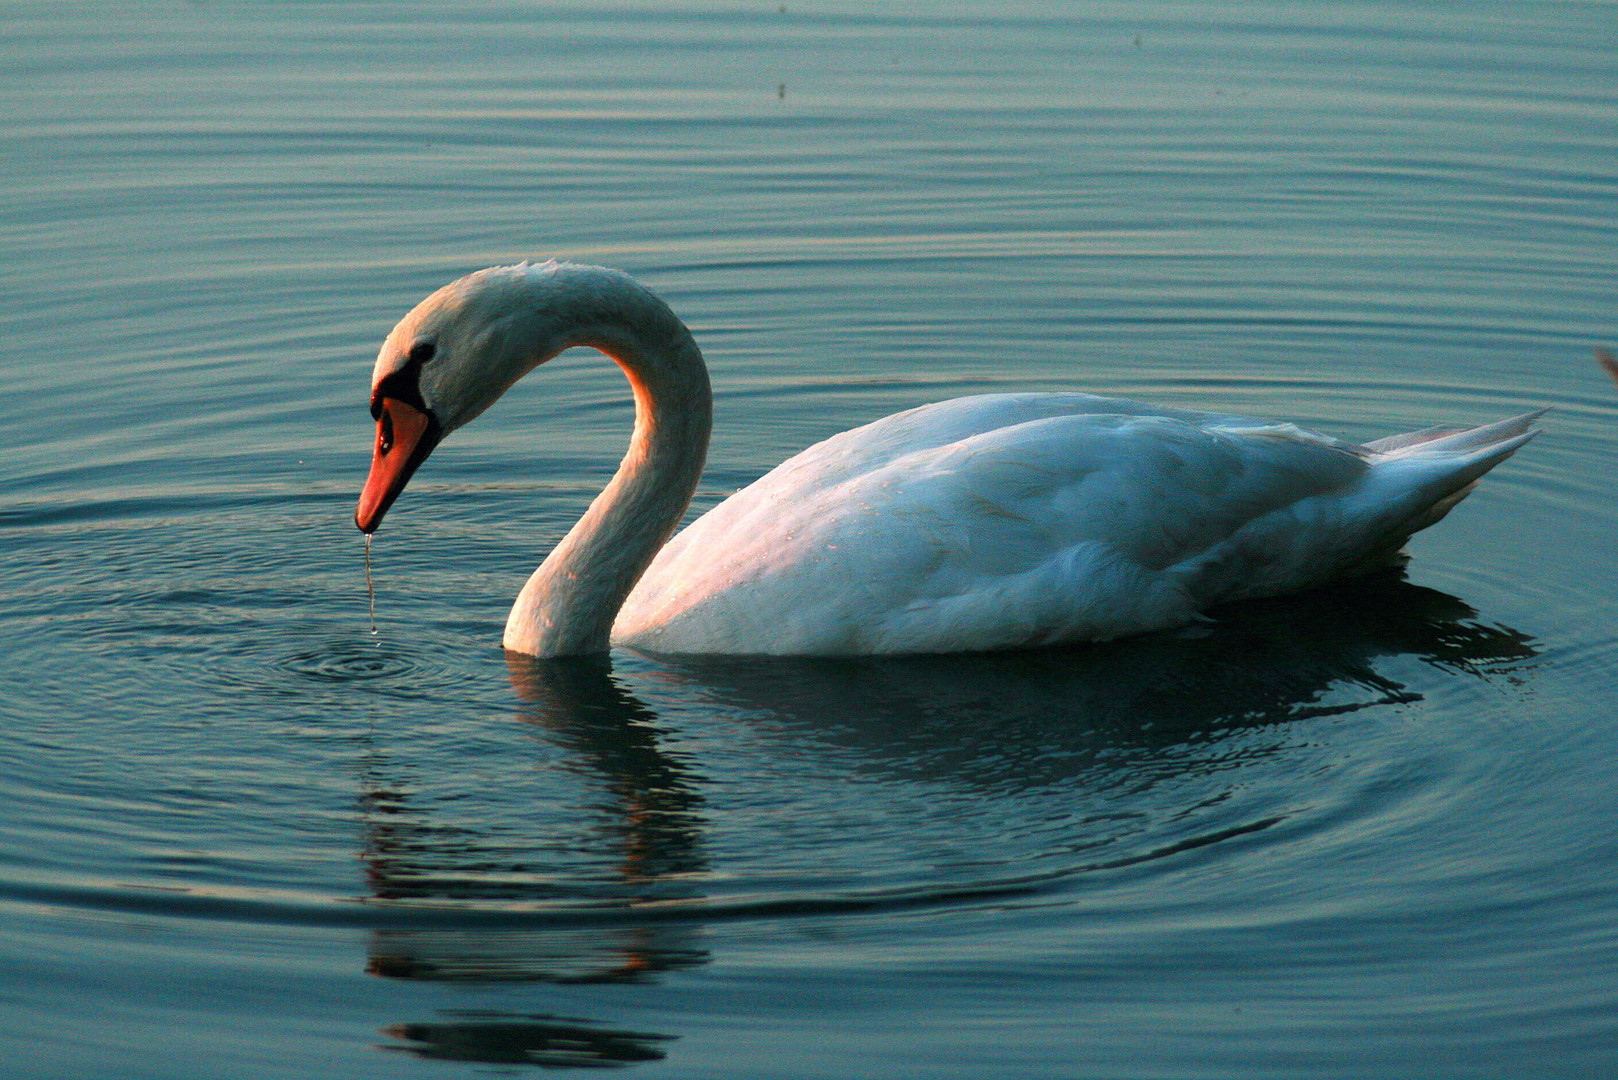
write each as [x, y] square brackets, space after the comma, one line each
[405, 384]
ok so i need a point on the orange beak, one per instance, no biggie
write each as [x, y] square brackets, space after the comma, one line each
[405, 435]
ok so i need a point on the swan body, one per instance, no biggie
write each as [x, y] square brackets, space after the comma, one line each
[989, 522]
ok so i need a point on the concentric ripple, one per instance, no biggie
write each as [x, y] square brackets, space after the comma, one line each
[347, 661]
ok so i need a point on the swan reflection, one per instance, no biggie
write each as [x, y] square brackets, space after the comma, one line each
[1009, 721]
[550, 1042]
[647, 829]
[1100, 727]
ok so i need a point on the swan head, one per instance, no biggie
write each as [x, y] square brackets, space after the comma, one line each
[450, 358]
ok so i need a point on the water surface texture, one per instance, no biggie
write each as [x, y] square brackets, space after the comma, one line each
[1367, 832]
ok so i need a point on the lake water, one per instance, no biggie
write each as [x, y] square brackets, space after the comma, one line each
[1367, 832]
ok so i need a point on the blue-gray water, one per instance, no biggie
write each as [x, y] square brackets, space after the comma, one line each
[1364, 833]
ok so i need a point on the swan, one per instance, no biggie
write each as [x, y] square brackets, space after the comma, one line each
[991, 522]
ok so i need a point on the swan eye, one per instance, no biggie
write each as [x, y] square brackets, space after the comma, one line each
[422, 351]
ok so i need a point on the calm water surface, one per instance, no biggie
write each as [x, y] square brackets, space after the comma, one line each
[1362, 833]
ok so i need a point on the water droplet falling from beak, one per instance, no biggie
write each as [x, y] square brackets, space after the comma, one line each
[370, 592]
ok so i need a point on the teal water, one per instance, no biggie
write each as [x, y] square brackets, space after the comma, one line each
[1361, 833]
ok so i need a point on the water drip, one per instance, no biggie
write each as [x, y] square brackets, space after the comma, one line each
[370, 591]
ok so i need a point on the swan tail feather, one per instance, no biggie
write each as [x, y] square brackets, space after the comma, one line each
[1440, 466]
[1462, 440]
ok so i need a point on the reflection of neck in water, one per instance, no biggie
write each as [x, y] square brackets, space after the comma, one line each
[579, 705]
[651, 819]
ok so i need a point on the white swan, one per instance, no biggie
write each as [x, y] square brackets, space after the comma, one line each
[990, 522]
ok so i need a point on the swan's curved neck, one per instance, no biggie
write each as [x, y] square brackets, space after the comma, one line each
[568, 606]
